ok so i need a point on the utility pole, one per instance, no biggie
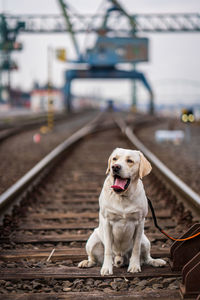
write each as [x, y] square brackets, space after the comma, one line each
[50, 114]
[134, 93]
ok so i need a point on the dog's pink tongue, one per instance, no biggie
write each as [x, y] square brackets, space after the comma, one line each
[119, 183]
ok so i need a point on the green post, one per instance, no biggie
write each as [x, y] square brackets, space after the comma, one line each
[151, 105]
[0, 79]
[134, 93]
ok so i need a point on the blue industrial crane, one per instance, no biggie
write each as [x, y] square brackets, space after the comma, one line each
[116, 41]
[109, 51]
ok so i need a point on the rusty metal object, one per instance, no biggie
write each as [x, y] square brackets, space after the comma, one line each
[182, 252]
[190, 286]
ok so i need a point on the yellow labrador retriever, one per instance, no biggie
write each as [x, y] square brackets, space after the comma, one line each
[120, 237]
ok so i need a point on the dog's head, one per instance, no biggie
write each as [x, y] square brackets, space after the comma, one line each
[126, 166]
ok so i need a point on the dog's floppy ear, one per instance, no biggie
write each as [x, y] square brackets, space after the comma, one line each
[108, 168]
[145, 166]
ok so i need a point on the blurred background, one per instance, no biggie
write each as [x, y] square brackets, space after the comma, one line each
[151, 47]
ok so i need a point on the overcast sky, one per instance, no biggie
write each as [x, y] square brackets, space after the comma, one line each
[172, 56]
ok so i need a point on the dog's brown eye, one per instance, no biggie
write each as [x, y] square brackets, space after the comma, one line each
[114, 158]
[129, 161]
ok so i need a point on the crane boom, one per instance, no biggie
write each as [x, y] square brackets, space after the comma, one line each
[124, 12]
[149, 23]
[63, 6]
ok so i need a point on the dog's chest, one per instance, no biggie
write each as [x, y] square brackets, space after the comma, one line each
[122, 216]
[123, 227]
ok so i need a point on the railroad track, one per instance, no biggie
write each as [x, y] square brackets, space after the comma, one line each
[14, 128]
[44, 238]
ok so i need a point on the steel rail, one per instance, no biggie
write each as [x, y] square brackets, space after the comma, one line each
[16, 192]
[29, 124]
[25, 125]
[181, 190]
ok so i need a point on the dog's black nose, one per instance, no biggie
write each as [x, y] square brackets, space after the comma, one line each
[116, 168]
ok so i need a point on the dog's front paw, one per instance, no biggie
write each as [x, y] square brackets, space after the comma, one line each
[134, 268]
[86, 264]
[158, 262]
[107, 270]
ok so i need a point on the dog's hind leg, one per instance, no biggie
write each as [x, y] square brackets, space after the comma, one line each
[94, 249]
[146, 256]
